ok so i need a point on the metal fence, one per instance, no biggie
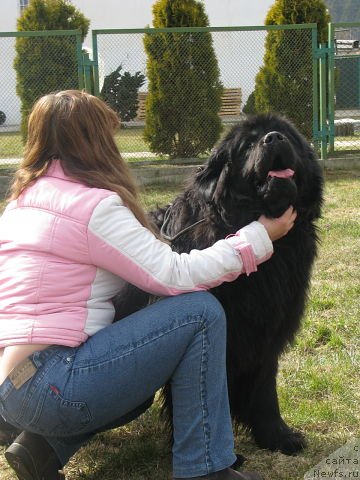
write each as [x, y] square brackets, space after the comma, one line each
[316, 87]
[180, 61]
[344, 88]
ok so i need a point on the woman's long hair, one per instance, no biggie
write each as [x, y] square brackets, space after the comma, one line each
[78, 129]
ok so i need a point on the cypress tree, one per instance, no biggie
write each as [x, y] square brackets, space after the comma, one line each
[46, 64]
[184, 87]
[284, 84]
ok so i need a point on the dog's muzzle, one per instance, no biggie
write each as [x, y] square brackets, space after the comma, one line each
[272, 138]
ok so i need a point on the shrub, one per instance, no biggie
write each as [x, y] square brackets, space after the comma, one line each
[249, 107]
[284, 83]
[46, 64]
[184, 87]
[120, 91]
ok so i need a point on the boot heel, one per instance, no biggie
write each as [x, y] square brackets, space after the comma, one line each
[32, 458]
[19, 459]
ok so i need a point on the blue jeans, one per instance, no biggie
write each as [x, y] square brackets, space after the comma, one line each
[104, 382]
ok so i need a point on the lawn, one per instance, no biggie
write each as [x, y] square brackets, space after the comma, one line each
[131, 143]
[11, 145]
[319, 381]
[128, 140]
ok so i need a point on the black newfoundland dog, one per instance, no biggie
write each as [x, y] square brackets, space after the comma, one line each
[262, 166]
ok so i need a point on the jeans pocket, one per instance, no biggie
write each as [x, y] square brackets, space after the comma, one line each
[59, 416]
[16, 404]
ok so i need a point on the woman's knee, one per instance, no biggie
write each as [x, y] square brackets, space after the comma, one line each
[196, 307]
[211, 308]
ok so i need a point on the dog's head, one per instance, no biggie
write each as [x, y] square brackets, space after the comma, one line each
[266, 165]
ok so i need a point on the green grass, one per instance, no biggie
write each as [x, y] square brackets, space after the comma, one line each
[350, 138]
[127, 139]
[130, 140]
[319, 381]
[10, 145]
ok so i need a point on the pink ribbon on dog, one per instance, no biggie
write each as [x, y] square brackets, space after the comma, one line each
[287, 173]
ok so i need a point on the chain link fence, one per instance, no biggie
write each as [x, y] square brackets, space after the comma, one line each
[32, 64]
[178, 91]
[346, 93]
[10, 118]
[188, 75]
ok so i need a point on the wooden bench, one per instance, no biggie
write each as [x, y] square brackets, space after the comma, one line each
[230, 104]
[345, 127]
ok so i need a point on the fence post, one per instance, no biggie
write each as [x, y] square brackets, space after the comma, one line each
[323, 100]
[88, 73]
[95, 63]
[322, 53]
[331, 80]
[79, 59]
[315, 80]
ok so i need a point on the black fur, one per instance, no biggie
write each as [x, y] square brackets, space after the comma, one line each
[263, 310]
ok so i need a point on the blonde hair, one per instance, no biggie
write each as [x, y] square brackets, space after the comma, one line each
[78, 129]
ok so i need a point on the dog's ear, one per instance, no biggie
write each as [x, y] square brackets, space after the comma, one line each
[211, 180]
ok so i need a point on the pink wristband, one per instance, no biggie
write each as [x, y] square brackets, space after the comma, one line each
[247, 256]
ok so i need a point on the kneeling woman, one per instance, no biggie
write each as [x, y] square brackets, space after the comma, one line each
[71, 237]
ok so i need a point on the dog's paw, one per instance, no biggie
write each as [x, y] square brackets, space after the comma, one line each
[279, 437]
[291, 443]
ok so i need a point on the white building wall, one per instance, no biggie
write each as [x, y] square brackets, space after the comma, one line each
[9, 102]
[137, 13]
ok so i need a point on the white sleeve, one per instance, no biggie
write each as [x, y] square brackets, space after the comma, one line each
[120, 244]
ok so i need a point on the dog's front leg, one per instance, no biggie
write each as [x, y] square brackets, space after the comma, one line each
[267, 426]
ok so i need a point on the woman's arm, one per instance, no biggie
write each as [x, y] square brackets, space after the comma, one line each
[120, 244]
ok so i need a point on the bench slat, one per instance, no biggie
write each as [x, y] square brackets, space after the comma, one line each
[230, 103]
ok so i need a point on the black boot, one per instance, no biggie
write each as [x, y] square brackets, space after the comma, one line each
[7, 432]
[227, 474]
[33, 458]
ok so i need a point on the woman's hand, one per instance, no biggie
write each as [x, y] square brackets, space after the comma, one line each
[278, 227]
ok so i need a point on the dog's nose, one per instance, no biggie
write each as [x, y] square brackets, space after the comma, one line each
[273, 138]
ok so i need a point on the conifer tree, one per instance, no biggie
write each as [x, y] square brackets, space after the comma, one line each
[285, 84]
[184, 87]
[120, 91]
[46, 64]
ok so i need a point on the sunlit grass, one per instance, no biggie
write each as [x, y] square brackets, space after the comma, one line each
[11, 145]
[319, 381]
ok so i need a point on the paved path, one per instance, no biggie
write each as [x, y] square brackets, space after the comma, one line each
[339, 145]
[139, 155]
